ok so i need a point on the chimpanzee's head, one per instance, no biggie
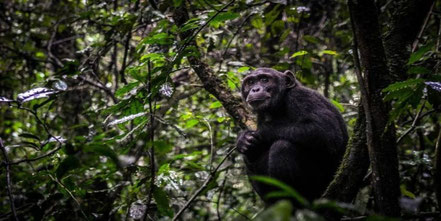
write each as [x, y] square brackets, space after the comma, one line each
[264, 88]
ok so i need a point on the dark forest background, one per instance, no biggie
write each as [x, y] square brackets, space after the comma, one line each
[129, 109]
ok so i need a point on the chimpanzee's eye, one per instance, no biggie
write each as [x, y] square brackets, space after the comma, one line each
[264, 79]
[251, 82]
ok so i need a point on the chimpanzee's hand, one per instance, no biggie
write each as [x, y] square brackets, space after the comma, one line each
[246, 141]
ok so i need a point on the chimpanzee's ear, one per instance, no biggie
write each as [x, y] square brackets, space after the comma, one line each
[289, 79]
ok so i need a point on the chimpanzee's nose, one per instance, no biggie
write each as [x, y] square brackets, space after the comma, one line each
[256, 89]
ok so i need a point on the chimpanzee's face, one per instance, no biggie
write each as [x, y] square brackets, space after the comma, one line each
[263, 88]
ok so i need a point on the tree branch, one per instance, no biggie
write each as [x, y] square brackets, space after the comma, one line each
[213, 84]
[8, 180]
[204, 185]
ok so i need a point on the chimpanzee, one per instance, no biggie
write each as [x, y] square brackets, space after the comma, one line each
[300, 137]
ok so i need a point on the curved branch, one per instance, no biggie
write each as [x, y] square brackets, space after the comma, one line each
[212, 83]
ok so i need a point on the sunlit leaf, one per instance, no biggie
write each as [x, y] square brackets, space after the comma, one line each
[215, 104]
[243, 69]
[35, 93]
[191, 123]
[159, 38]
[126, 118]
[299, 53]
[434, 85]
[60, 85]
[406, 192]
[329, 52]
[338, 105]
[5, 100]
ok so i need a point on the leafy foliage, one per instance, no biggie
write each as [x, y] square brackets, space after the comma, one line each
[103, 117]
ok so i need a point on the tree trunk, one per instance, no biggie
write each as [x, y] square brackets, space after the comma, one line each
[353, 167]
[381, 138]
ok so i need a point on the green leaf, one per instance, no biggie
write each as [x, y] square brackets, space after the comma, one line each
[222, 17]
[257, 22]
[162, 146]
[299, 53]
[153, 57]
[321, 204]
[126, 118]
[103, 150]
[406, 192]
[417, 55]
[68, 164]
[418, 70]
[243, 69]
[194, 165]
[330, 52]
[338, 105]
[190, 24]
[159, 38]
[177, 3]
[215, 105]
[191, 123]
[162, 202]
[281, 211]
[122, 91]
[311, 39]
[289, 190]
[403, 84]
[164, 169]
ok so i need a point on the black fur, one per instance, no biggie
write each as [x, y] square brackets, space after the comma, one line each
[300, 137]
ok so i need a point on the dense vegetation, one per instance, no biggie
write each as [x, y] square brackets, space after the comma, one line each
[129, 109]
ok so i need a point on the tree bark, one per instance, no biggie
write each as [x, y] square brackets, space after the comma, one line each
[353, 167]
[406, 22]
[381, 140]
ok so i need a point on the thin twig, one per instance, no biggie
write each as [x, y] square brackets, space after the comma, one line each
[124, 62]
[100, 86]
[414, 123]
[232, 38]
[421, 116]
[204, 185]
[221, 190]
[126, 49]
[211, 143]
[426, 21]
[8, 180]
[36, 158]
[71, 195]
[152, 138]
[49, 46]
[162, 121]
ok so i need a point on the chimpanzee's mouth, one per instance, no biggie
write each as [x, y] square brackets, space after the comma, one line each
[256, 102]
[259, 100]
